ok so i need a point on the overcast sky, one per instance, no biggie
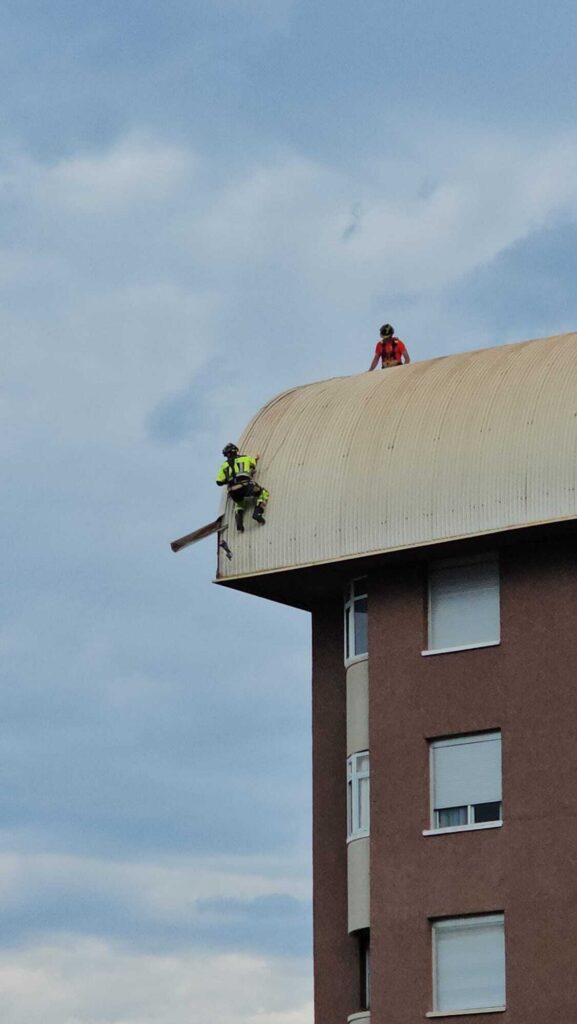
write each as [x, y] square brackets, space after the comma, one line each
[204, 202]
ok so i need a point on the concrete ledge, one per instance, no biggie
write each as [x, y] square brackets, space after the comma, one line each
[465, 647]
[477, 827]
[465, 1013]
[363, 1017]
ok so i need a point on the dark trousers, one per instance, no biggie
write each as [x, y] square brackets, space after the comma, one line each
[244, 489]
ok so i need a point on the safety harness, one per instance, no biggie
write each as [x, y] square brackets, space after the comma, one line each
[238, 484]
[392, 354]
[236, 478]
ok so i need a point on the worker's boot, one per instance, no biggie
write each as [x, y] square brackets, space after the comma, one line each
[258, 514]
[238, 518]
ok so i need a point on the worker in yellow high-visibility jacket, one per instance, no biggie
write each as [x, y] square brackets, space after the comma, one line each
[238, 474]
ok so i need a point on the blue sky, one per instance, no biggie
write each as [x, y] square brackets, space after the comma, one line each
[201, 205]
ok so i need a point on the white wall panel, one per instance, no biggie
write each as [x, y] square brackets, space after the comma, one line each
[357, 707]
[359, 883]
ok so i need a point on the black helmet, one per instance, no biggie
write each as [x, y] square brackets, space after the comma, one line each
[230, 451]
[387, 331]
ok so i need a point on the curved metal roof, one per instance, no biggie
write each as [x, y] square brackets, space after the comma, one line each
[449, 448]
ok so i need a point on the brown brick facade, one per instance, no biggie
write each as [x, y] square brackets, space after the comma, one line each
[527, 688]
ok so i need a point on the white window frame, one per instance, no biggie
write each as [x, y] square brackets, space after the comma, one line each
[471, 825]
[351, 598]
[494, 918]
[356, 830]
[453, 563]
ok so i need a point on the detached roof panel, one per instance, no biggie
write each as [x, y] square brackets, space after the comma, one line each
[449, 448]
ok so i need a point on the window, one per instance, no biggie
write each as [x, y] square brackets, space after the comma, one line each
[469, 963]
[463, 604]
[356, 619]
[365, 967]
[358, 793]
[466, 781]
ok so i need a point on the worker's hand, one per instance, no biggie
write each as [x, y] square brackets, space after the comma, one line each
[256, 458]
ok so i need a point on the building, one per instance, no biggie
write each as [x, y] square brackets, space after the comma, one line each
[427, 519]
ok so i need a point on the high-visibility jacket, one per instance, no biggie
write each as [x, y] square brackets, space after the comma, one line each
[243, 468]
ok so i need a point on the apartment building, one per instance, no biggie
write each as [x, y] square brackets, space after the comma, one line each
[426, 516]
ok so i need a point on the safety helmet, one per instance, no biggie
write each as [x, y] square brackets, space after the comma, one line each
[387, 331]
[230, 451]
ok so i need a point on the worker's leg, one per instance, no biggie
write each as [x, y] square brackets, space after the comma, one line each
[238, 495]
[262, 495]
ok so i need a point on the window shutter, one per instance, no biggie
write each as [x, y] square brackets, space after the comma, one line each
[464, 605]
[470, 963]
[467, 770]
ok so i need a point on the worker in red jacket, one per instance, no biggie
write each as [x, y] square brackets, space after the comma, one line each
[390, 349]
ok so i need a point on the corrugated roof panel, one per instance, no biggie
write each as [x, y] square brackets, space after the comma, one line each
[452, 447]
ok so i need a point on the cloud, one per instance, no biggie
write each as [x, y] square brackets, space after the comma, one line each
[499, 192]
[95, 982]
[135, 171]
[156, 731]
[152, 271]
[166, 318]
[258, 904]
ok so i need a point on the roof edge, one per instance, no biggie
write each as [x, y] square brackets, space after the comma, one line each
[231, 579]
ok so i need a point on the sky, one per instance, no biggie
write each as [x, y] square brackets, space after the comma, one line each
[201, 205]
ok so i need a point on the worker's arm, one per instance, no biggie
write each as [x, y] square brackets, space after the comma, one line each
[403, 352]
[376, 357]
[223, 475]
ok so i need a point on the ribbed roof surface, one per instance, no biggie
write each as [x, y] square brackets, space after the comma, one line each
[452, 447]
